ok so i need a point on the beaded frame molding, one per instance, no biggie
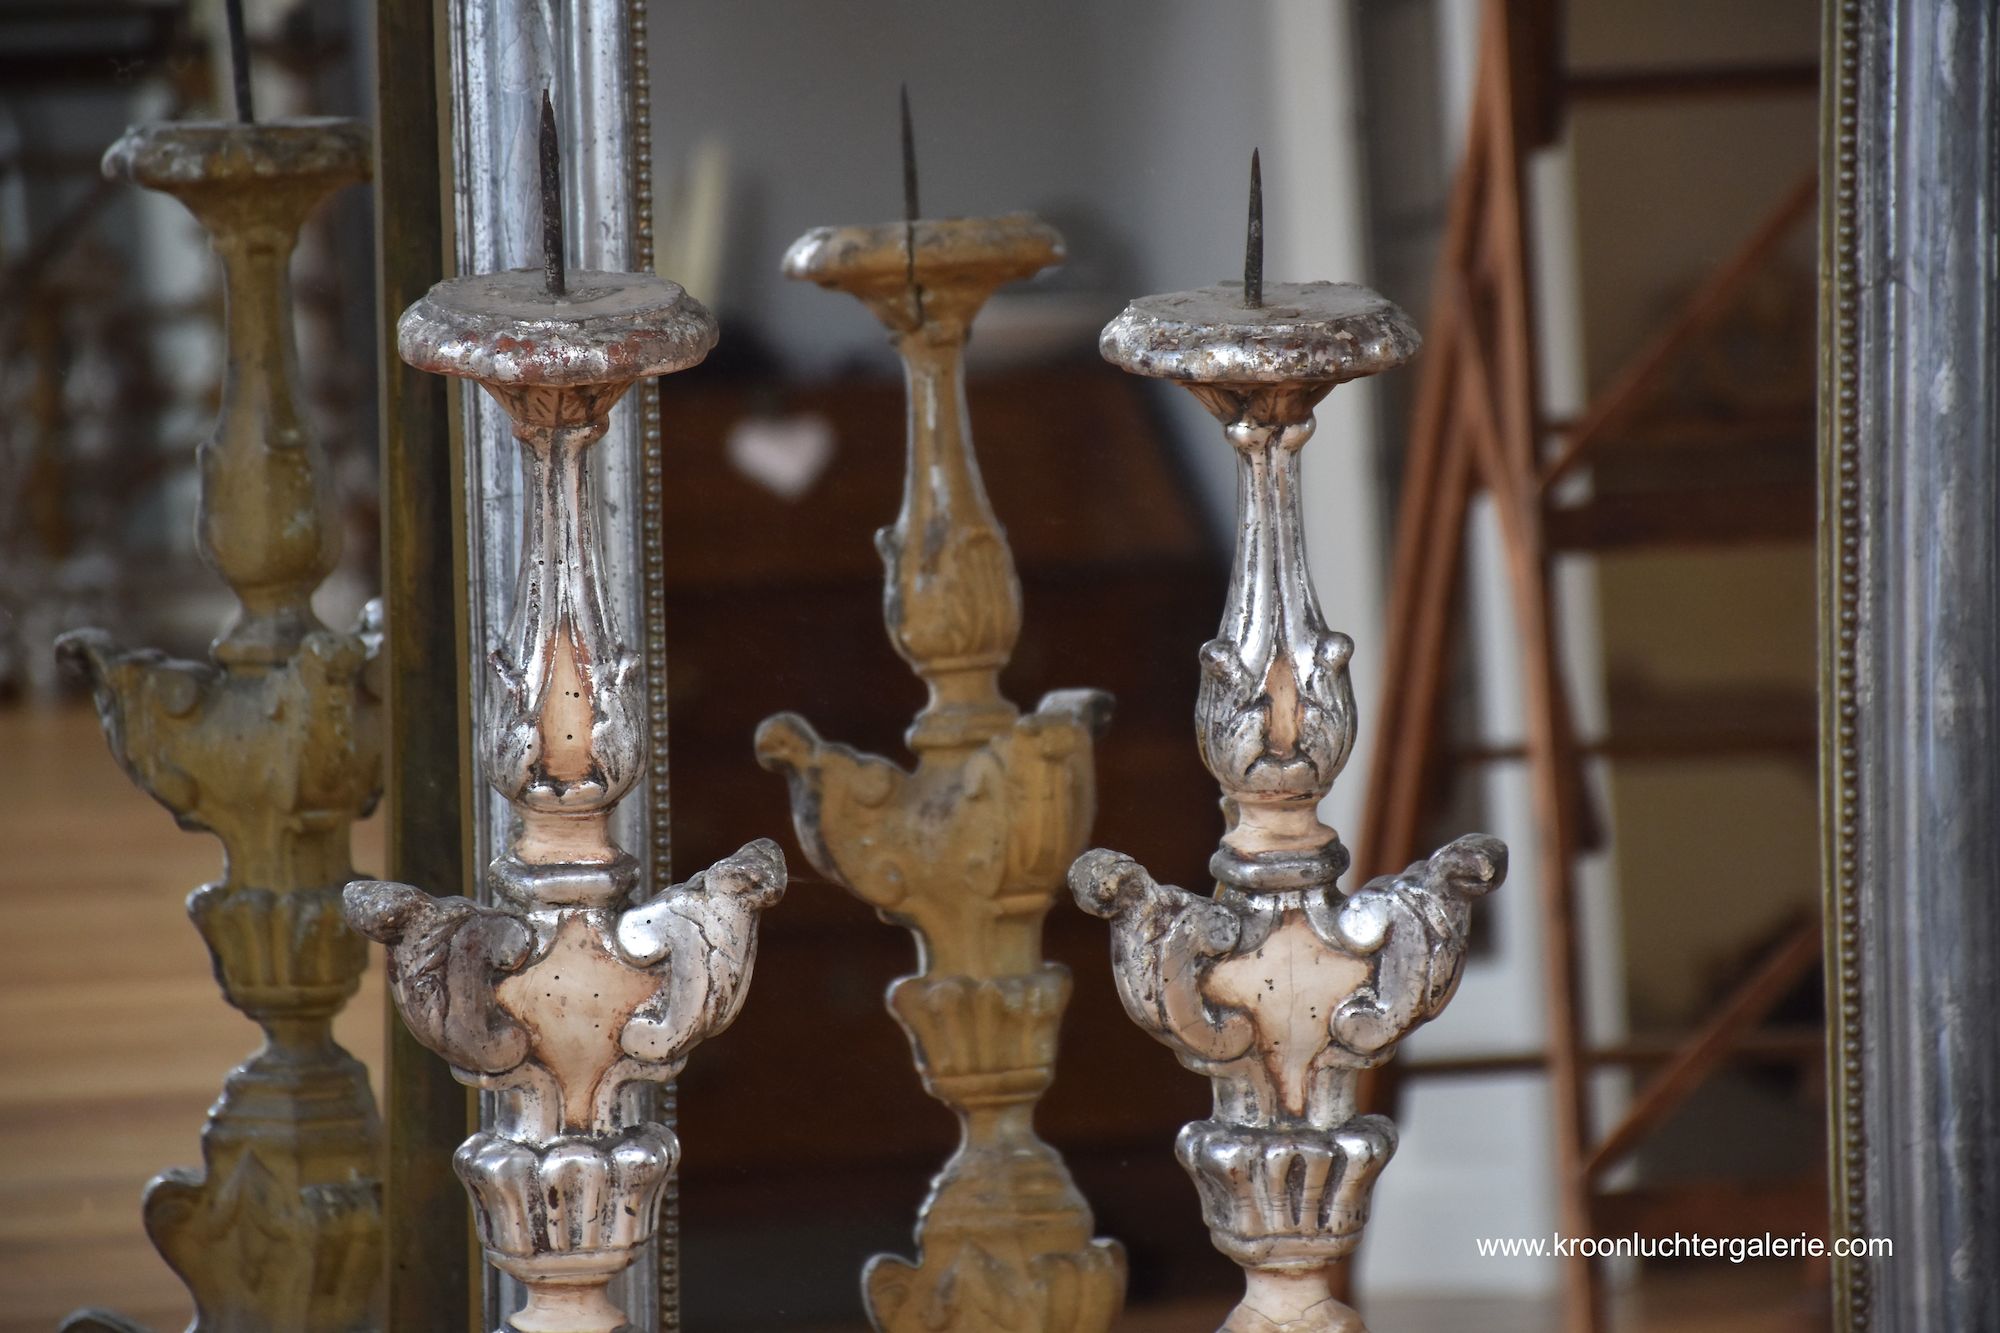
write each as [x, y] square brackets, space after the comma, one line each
[1909, 563]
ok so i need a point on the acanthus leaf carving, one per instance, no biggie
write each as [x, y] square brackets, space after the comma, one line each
[680, 962]
[445, 955]
[1412, 926]
[1162, 938]
[703, 935]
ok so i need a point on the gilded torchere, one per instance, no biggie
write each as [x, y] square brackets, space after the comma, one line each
[584, 982]
[1282, 986]
[274, 746]
[967, 851]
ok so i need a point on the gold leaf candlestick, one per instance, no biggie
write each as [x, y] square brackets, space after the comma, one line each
[274, 746]
[1283, 986]
[584, 982]
[966, 851]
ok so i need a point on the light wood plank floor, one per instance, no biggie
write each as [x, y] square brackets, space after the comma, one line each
[114, 1040]
[113, 1036]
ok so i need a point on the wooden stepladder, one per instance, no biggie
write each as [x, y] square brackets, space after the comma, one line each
[1477, 427]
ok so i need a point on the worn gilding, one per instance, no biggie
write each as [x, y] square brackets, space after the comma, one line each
[967, 849]
[273, 745]
[1282, 986]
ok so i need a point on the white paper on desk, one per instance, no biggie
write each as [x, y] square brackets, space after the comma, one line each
[784, 455]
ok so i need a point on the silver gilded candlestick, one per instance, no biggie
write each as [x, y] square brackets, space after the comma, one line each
[1282, 986]
[582, 984]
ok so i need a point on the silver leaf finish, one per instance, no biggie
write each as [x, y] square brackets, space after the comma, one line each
[582, 984]
[1281, 987]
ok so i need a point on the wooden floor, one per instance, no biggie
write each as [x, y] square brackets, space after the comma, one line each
[113, 1036]
[114, 1039]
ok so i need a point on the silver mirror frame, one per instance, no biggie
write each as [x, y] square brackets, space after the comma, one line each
[1910, 656]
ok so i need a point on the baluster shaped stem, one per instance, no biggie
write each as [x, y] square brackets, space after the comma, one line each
[583, 983]
[1282, 986]
[967, 850]
[275, 747]
[950, 598]
[263, 469]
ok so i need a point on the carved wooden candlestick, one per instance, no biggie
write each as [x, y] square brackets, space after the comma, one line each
[567, 995]
[273, 746]
[968, 850]
[1281, 987]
